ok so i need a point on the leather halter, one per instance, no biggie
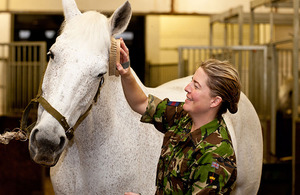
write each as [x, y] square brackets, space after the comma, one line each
[51, 110]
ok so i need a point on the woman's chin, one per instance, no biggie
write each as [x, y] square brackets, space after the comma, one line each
[186, 105]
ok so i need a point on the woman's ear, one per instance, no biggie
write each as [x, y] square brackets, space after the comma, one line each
[216, 101]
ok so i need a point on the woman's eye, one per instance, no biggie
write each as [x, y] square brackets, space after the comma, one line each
[50, 55]
[196, 85]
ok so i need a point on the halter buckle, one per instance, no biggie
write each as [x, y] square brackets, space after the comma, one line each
[70, 133]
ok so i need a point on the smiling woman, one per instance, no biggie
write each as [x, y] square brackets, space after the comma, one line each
[107, 153]
[197, 154]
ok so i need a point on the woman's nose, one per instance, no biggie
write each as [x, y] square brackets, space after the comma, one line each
[188, 88]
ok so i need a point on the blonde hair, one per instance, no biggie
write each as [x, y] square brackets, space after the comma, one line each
[223, 80]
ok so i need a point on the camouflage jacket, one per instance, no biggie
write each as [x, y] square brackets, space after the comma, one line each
[198, 162]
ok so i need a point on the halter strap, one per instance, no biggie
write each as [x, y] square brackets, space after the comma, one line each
[51, 110]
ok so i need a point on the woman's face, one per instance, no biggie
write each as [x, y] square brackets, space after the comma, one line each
[198, 99]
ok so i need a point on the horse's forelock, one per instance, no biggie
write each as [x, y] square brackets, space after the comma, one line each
[89, 29]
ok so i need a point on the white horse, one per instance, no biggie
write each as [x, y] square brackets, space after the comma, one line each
[112, 151]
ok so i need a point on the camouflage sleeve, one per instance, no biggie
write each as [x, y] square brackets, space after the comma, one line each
[153, 101]
[214, 174]
[155, 112]
[161, 113]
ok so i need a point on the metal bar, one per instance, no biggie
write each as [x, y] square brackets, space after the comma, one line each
[241, 22]
[226, 34]
[233, 12]
[43, 59]
[232, 34]
[36, 70]
[2, 81]
[194, 60]
[19, 76]
[295, 93]
[237, 47]
[29, 80]
[10, 81]
[257, 3]
[24, 66]
[211, 33]
[271, 25]
[264, 18]
[274, 79]
[180, 63]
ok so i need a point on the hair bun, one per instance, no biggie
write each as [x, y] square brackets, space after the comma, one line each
[233, 108]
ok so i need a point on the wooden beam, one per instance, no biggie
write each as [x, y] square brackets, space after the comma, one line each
[267, 3]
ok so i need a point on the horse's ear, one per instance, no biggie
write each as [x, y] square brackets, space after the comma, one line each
[70, 9]
[119, 20]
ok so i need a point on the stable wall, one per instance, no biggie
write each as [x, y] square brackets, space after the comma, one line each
[5, 23]
[139, 6]
[102, 5]
[164, 33]
[262, 34]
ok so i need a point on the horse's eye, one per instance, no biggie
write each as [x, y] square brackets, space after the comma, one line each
[100, 75]
[50, 54]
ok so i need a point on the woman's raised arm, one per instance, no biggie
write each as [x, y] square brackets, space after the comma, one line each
[135, 96]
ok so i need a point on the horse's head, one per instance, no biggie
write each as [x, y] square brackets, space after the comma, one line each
[78, 61]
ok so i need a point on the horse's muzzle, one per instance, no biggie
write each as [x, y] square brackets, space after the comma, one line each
[45, 151]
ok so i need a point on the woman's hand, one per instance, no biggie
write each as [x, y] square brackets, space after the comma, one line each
[130, 193]
[124, 57]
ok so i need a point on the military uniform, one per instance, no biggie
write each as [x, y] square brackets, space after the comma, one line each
[198, 162]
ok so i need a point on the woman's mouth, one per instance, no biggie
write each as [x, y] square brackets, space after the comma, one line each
[189, 99]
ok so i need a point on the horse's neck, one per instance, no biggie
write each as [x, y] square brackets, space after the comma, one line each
[108, 113]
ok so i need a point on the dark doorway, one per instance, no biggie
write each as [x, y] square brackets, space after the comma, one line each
[136, 45]
[36, 27]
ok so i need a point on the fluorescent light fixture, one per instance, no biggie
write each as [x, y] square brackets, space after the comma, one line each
[24, 34]
[50, 34]
[126, 36]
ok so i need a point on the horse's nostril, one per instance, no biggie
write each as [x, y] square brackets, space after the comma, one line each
[62, 142]
[33, 134]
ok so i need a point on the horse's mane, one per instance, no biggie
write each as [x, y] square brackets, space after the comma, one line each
[89, 29]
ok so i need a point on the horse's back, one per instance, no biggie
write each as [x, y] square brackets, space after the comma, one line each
[174, 90]
[246, 134]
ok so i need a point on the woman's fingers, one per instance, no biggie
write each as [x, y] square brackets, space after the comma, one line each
[124, 52]
[123, 46]
[124, 57]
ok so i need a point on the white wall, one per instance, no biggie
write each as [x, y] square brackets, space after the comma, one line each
[100, 5]
[139, 6]
[208, 7]
[3, 5]
[5, 22]
[164, 33]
